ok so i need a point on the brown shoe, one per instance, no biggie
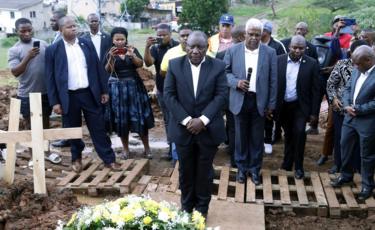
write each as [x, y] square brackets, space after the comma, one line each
[114, 166]
[77, 166]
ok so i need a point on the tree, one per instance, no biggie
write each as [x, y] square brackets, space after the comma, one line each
[334, 5]
[134, 7]
[203, 15]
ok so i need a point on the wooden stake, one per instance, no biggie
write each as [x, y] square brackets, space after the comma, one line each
[14, 120]
[37, 143]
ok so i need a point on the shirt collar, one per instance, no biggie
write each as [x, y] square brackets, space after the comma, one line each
[97, 34]
[369, 71]
[69, 44]
[198, 66]
[256, 51]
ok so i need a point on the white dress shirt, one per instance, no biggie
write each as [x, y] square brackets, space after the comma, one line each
[96, 39]
[77, 66]
[358, 85]
[292, 70]
[251, 60]
[195, 71]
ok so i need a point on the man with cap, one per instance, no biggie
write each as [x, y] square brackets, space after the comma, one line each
[222, 40]
[268, 40]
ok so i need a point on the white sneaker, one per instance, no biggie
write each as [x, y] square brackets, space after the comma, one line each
[268, 149]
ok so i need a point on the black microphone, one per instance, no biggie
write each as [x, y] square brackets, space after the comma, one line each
[249, 72]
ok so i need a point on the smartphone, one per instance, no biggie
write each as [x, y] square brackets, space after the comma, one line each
[159, 40]
[121, 51]
[36, 44]
[350, 21]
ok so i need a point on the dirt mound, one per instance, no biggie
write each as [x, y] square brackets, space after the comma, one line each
[20, 208]
[6, 92]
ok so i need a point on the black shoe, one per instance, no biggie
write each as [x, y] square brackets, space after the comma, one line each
[299, 174]
[255, 178]
[333, 170]
[340, 181]
[241, 177]
[364, 194]
[61, 143]
[322, 160]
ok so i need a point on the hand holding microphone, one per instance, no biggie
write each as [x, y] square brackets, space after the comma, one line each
[245, 84]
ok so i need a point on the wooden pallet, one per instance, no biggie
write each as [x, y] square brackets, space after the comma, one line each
[96, 178]
[343, 201]
[280, 189]
[225, 186]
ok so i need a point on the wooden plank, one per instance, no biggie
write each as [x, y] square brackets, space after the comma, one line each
[301, 192]
[37, 143]
[67, 178]
[125, 185]
[115, 176]
[174, 179]
[349, 197]
[250, 191]
[14, 120]
[145, 179]
[102, 174]
[142, 184]
[267, 187]
[85, 174]
[318, 189]
[48, 134]
[151, 187]
[333, 203]
[223, 184]
[284, 189]
[239, 195]
[167, 172]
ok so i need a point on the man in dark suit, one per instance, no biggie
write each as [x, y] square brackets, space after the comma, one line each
[298, 101]
[101, 40]
[76, 83]
[252, 77]
[195, 92]
[359, 122]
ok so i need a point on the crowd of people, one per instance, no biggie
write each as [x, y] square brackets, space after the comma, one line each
[263, 88]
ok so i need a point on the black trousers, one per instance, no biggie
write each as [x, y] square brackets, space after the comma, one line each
[82, 101]
[293, 122]
[230, 133]
[196, 175]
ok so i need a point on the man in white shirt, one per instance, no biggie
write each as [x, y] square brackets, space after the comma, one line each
[195, 92]
[359, 122]
[76, 83]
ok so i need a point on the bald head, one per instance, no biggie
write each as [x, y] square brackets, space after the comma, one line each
[298, 39]
[68, 28]
[196, 47]
[363, 58]
[297, 47]
[301, 29]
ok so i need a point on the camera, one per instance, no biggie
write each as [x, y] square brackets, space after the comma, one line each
[121, 51]
[159, 40]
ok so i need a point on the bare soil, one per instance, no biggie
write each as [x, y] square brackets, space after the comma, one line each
[24, 210]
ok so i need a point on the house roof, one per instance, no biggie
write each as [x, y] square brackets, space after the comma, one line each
[18, 4]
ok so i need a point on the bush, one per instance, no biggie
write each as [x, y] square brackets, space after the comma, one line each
[9, 42]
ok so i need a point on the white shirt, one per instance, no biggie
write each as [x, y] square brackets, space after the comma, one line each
[96, 39]
[195, 70]
[292, 70]
[251, 60]
[358, 85]
[77, 66]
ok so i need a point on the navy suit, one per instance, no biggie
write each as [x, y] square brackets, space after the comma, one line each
[105, 45]
[359, 129]
[249, 108]
[196, 152]
[87, 100]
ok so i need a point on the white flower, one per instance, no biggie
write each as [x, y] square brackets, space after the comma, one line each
[163, 216]
[109, 228]
[155, 226]
[139, 212]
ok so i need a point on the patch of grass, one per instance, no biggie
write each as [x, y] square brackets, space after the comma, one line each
[248, 10]
[8, 42]
[3, 58]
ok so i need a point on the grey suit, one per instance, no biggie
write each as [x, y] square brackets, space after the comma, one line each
[248, 109]
[359, 129]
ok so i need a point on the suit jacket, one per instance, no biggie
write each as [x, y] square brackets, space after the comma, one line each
[56, 71]
[308, 86]
[105, 45]
[364, 107]
[266, 84]
[309, 51]
[210, 100]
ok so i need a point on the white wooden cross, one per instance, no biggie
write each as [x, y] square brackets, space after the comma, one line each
[36, 136]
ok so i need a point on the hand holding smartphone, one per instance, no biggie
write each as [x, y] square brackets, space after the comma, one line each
[36, 44]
